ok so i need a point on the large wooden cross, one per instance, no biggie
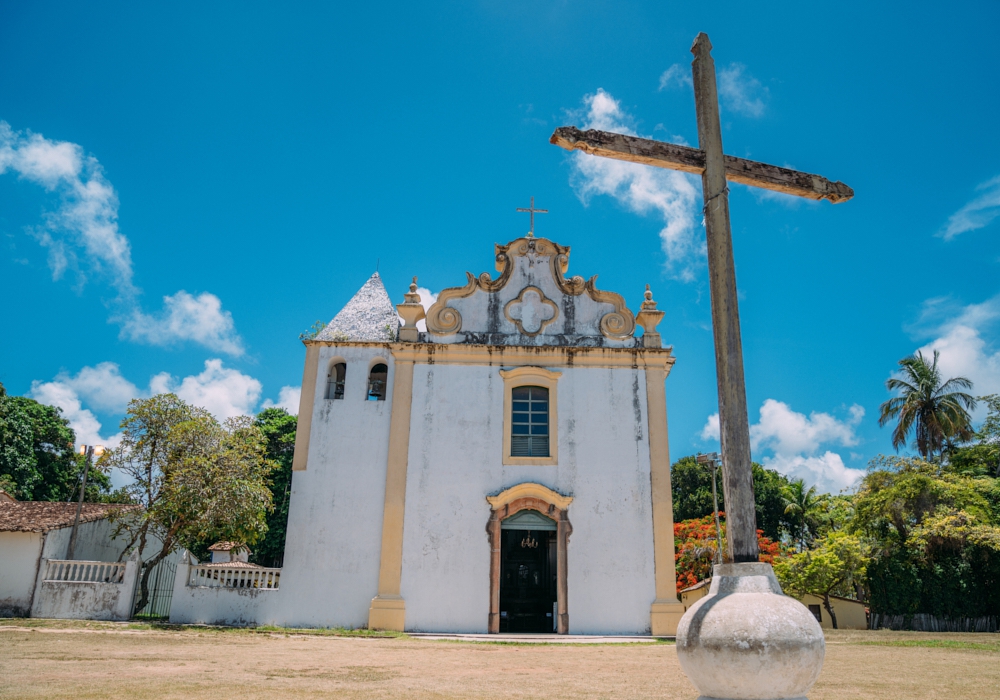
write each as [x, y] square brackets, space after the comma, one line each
[716, 169]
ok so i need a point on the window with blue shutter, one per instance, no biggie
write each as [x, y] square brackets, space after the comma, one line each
[529, 422]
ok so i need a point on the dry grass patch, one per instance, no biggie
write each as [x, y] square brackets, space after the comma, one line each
[108, 660]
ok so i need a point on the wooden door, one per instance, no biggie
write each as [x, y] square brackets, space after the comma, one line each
[527, 581]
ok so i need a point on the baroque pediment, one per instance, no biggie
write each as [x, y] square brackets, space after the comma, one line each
[531, 302]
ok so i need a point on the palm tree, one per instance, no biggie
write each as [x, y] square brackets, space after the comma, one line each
[806, 508]
[933, 410]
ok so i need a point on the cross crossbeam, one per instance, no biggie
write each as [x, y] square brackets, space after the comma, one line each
[692, 160]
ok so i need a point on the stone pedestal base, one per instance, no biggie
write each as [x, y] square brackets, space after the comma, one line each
[664, 616]
[387, 613]
[747, 641]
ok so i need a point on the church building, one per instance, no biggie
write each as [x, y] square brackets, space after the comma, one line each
[506, 470]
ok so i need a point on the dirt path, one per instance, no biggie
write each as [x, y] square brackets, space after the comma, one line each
[68, 662]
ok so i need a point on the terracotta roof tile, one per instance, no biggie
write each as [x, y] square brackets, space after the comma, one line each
[226, 546]
[42, 516]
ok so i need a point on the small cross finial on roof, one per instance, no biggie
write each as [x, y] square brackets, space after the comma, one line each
[532, 211]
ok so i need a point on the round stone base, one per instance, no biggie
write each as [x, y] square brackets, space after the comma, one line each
[745, 640]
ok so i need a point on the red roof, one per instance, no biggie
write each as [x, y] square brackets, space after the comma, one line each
[42, 516]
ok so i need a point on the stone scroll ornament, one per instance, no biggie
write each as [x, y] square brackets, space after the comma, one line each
[618, 324]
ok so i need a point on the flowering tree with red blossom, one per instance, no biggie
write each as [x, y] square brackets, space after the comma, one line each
[695, 545]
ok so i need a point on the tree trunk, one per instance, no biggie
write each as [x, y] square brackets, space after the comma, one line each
[829, 609]
[147, 569]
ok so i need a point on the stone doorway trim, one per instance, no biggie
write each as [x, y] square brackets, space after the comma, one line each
[529, 496]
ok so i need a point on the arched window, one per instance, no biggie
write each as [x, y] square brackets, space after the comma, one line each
[335, 381]
[529, 424]
[376, 382]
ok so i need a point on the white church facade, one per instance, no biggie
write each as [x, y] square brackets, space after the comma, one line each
[506, 470]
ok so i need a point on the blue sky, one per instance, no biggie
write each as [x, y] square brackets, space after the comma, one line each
[184, 190]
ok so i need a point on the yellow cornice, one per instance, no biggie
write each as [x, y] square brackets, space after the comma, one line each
[513, 355]
[529, 490]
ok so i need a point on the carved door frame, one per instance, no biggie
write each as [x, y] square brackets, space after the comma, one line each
[550, 504]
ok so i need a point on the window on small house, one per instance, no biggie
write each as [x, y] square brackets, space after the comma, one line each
[817, 612]
[529, 423]
[335, 381]
[376, 382]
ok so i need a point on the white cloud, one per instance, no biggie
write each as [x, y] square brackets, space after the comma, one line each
[668, 194]
[788, 432]
[826, 471]
[87, 220]
[82, 236]
[977, 213]
[741, 92]
[103, 387]
[794, 440]
[675, 76]
[83, 422]
[288, 399]
[711, 431]
[427, 299]
[223, 392]
[964, 336]
[187, 317]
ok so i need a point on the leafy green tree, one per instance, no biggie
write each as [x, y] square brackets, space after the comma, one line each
[38, 461]
[934, 536]
[933, 410]
[831, 567]
[196, 479]
[691, 488]
[806, 511]
[981, 456]
[278, 428]
[898, 493]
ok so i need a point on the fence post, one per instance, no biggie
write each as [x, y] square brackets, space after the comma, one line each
[43, 567]
[126, 599]
[181, 578]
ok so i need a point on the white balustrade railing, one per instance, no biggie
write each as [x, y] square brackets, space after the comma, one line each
[236, 577]
[85, 571]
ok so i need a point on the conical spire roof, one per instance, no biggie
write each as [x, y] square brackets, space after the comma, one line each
[369, 316]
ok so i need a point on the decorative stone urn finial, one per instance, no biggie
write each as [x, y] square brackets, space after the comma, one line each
[648, 317]
[410, 311]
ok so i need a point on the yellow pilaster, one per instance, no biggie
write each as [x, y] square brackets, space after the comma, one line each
[307, 401]
[666, 610]
[388, 609]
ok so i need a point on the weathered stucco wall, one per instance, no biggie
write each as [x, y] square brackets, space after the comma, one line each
[331, 564]
[219, 606]
[19, 553]
[93, 542]
[90, 600]
[456, 439]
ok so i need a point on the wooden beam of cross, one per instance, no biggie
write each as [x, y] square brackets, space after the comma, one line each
[715, 169]
[692, 160]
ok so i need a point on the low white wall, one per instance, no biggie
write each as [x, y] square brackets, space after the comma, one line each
[19, 553]
[85, 600]
[219, 606]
